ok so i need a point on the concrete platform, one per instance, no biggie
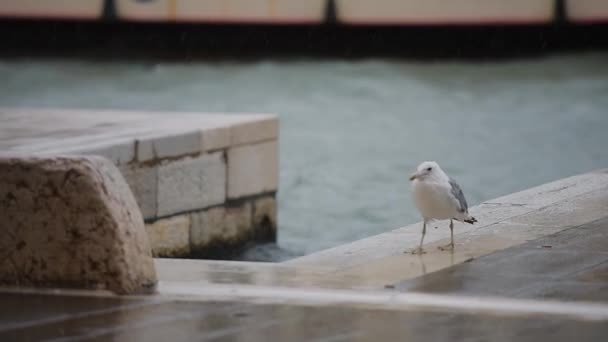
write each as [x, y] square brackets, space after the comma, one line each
[571, 265]
[502, 297]
[205, 183]
[503, 222]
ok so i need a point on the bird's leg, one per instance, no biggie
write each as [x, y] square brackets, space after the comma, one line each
[419, 250]
[451, 244]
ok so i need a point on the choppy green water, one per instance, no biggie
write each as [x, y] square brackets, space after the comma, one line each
[351, 131]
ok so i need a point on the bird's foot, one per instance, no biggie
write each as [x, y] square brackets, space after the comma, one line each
[417, 251]
[449, 246]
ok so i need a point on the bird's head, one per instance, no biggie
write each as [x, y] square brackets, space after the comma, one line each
[427, 169]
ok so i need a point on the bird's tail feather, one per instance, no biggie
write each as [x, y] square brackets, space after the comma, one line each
[470, 220]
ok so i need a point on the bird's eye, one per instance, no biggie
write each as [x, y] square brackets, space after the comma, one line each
[429, 169]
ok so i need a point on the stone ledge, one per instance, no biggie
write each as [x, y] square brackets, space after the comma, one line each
[503, 222]
[191, 183]
[175, 163]
[217, 232]
[253, 169]
[172, 135]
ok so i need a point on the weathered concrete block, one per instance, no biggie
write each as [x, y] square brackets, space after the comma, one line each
[143, 182]
[215, 138]
[205, 226]
[222, 231]
[119, 150]
[170, 237]
[71, 222]
[255, 130]
[220, 226]
[191, 183]
[264, 219]
[253, 169]
[169, 145]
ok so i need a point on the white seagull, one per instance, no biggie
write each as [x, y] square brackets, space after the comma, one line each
[438, 197]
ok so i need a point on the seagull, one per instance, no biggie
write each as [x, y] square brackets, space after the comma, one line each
[438, 197]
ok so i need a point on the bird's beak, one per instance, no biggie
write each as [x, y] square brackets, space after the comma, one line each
[413, 176]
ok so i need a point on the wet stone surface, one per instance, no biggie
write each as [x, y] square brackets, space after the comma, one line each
[570, 265]
[38, 317]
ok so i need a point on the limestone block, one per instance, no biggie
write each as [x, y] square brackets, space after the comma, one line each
[191, 183]
[255, 130]
[71, 222]
[586, 10]
[215, 138]
[205, 226]
[84, 9]
[444, 12]
[264, 218]
[120, 151]
[143, 183]
[228, 226]
[169, 145]
[253, 169]
[170, 237]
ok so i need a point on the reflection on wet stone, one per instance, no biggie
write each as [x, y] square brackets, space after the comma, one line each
[574, 268]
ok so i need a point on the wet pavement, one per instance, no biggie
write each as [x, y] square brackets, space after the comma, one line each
[553, 288]
[34, 318]
[571, 265]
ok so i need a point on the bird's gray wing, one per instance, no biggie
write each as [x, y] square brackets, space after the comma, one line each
[457, 192]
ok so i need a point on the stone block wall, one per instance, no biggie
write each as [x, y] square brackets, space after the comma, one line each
[205, 183]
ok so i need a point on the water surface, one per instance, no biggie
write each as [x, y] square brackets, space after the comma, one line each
[352, 131]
